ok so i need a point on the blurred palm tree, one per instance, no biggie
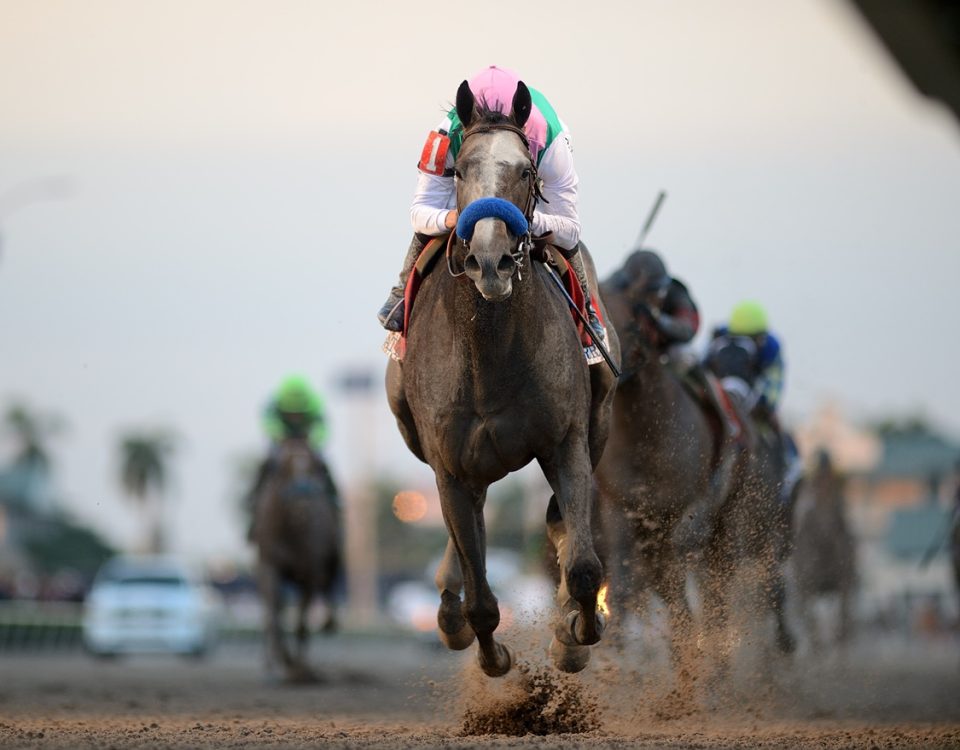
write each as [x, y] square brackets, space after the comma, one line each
[28, 476]
[144, 476]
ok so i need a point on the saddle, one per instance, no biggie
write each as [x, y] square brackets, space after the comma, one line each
[717, 406]
[396, 343]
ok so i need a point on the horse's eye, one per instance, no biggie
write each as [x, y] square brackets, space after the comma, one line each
[457, 174]
[525, 174]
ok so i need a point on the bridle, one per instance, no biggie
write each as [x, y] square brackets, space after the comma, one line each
[534, 194]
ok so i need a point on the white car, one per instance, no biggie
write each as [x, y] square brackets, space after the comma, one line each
[523, 598]
[149, 605]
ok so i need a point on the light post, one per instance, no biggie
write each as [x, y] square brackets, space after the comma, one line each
[360, 513]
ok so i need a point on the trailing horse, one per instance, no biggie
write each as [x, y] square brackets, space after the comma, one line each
[667, 456]
[494, 377]
[297, 534]
[824, 555]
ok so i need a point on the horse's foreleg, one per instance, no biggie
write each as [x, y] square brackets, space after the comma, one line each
[776, 592]
[843, 629]
[462, 512]
[715, 596]
[616, 545]
[671, 585]
[455, 632]
[568, 525]
[272, 593]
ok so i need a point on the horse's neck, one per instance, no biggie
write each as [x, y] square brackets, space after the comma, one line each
[502, 329]
[651, 382]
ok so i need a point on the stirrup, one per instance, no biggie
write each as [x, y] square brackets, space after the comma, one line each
[597, 333]
[596, 327]
[391, 314]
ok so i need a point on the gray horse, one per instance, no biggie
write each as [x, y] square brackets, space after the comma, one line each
[824, 556]
[753, 535]
[494, 377]
[297, 534]
[666, 456]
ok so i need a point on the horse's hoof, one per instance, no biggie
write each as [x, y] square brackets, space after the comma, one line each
[457, 641]
[573, 630]
[302, 675]
[566, 658]
[502, 662]
[786, 642]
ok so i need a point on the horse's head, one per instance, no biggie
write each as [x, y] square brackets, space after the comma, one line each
[496, 181]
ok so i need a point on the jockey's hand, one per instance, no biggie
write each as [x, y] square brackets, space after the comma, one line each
[450, 221]
[643, 309]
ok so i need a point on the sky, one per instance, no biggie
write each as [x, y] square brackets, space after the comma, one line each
[197, 198]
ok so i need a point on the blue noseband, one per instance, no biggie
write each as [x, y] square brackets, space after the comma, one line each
[491, 208]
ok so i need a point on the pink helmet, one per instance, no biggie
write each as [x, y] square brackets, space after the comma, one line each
[494, 87]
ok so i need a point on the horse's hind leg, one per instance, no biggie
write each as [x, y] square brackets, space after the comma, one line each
[463, 514]
[299, 670]
[455, 631]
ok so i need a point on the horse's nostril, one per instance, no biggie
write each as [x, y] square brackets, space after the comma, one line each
[471, 264]
[506, 264]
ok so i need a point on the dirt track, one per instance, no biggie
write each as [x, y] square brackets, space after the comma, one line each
[397, 692]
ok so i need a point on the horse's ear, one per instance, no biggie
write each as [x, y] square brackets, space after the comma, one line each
[466, 104]
[520, 110]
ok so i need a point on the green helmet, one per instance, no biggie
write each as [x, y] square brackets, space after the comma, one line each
[748, 319]
[297, 397]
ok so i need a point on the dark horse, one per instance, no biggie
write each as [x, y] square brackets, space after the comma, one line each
[754, 528]
[824, 555]
[493, 378]
[666, 455]
[297, 534]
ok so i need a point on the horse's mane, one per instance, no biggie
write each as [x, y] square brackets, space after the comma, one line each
[487, 114]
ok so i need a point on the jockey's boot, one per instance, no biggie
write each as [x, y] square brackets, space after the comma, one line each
[794, 467]
[576, 262]
[391, 314]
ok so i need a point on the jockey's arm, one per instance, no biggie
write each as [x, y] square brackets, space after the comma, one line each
[679, 318]
[434, 199]
[560, 214]
[769, 385]
[676, 328]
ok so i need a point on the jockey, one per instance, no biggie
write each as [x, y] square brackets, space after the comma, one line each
[295, 411]
[664, 299]
[748, 321]
[434, 209]
[669, 306]
[748, 327]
